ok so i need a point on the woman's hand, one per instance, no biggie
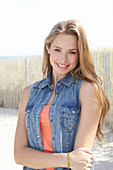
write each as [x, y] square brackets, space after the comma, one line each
[81, 159]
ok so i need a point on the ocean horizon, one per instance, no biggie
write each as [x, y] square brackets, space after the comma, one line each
[19, 56]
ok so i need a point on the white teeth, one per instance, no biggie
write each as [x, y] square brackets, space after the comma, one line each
[62, 65]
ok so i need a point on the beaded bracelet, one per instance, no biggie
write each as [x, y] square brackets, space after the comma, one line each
[68, 160]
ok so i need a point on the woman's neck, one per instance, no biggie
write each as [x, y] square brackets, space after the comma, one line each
[55, 78]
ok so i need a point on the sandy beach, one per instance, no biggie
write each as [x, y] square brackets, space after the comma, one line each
[103, 152]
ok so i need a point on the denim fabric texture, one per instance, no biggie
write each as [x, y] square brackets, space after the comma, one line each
[64, 113]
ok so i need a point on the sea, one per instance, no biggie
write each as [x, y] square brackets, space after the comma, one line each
[24, 56]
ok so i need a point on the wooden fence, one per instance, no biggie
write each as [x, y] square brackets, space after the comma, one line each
[16, 73]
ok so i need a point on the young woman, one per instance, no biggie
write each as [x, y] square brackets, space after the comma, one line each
[60, 115]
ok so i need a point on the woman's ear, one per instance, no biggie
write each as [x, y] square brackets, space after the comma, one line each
[47, 48]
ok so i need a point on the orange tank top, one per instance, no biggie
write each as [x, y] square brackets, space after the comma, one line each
[46, 131]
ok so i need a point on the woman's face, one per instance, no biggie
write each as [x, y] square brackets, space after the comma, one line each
[63, 54]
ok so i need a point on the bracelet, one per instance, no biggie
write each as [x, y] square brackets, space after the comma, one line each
[68, 160]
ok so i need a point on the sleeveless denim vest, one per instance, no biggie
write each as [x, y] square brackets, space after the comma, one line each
[64, 113]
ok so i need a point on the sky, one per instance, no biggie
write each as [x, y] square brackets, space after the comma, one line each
[24, 24]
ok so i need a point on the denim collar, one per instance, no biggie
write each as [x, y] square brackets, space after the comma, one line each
[67, 81]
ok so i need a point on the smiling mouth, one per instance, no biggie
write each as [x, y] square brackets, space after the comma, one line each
[62, 66]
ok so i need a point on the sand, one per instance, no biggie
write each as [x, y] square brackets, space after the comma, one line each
[103, 152]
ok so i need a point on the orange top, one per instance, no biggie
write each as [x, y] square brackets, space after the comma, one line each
[46, 131]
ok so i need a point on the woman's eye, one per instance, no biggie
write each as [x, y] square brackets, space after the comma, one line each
[72, 52]
[57, 50]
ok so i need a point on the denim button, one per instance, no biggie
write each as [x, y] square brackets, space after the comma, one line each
[73, 111]
[53, 138]
[43, 103]
[38, 136]
[58, 84]
[49, 93]
[57, 92]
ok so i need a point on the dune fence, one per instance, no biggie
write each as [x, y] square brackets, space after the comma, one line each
[16, 73]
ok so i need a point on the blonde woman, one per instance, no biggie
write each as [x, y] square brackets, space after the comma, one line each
[60, 115]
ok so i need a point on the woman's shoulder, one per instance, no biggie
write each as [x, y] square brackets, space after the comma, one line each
[27, 89]
[89, 90]
[38, 84]
[89, 86]
[26, 93]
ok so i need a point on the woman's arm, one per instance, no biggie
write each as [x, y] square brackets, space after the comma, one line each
[27, 156]
[89, 117]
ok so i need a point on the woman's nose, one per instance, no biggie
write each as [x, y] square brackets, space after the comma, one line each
[64, 57]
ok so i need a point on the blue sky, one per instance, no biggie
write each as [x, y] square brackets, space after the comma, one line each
[24, 24]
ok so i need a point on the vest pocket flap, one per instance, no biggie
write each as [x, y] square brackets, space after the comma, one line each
[70, 109]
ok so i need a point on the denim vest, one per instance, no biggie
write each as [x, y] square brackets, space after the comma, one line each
[64, 113]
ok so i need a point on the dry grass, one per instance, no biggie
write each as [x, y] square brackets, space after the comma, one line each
[17, 73]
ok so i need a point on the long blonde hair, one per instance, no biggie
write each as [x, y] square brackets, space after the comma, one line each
[84, 69]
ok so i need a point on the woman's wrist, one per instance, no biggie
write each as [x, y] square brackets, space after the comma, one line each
[63, 160]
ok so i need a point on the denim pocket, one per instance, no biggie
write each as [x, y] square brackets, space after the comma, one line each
[69, 117]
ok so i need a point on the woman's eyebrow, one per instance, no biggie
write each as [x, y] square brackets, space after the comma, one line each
[74, 49]
[68, 49]
[56, 46]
